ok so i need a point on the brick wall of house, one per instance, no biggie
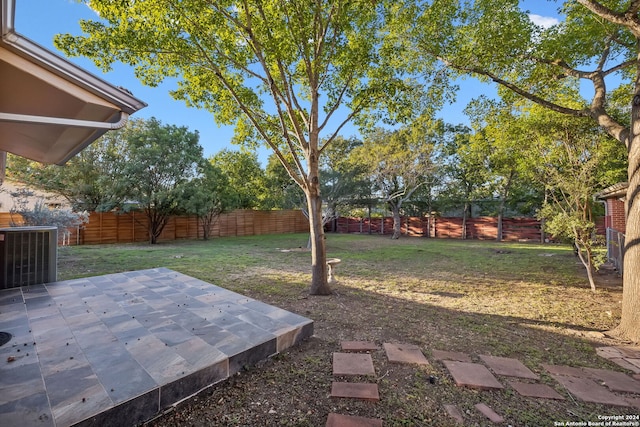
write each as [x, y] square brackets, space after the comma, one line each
[615, 217]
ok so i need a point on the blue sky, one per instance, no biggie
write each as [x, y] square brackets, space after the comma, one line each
[40, 20]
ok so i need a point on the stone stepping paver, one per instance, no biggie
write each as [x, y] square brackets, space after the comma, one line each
[472, 375]
[405, 353]
[542, 391]
[363, 391]
[568, 371]
[632, 365]
[626, 357]
[489, 413]
[588, 390]
[634, 401]
[352, 364]
[337, 420]
[451, 355]
[358, 346]
[508, 367]
[616, 381]
[454, 413]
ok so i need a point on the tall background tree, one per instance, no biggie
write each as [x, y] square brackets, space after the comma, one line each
[596, 44]
[160, 161]
[288, 74]
[398, 163]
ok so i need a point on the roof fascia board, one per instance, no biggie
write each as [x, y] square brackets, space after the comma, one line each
[60, 66]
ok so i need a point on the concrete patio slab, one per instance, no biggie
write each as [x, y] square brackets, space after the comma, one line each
[616, 381]
[356, 346]
[364, 391]
[337, 420]
[508, 367]
[542, 391]
[352, 364]
[472, 375]
[405, 353]
[588, 390]
[451, 355]
[118, 349]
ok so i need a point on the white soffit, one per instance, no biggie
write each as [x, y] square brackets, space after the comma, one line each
[50, 109]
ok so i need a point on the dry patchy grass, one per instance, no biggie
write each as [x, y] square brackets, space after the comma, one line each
[526, 301]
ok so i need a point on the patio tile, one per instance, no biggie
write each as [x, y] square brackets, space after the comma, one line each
[472, 375]
[337, 420]
[535, 390]
[451, 355]
[454, 413]
[508, 367]
[358, 346]
[405, 353]
[489, 413]
[588, 390]
[365, 391]
[616, 381]
[352, 364]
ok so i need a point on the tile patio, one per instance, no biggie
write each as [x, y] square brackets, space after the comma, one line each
[118, 349]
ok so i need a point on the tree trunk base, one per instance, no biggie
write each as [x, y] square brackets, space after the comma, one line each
[322, 291]
[624, 335]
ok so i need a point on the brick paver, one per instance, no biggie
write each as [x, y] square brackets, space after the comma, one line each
[454, 413]
[352, 364]
[451, 355]
[542, 391]
[472, 375]
[589, 391]
[569, 371]
[616, 381]
[358, 346]
[489, 413]
[363, 391]
[337, 420]
[508, 367]
[405, 353]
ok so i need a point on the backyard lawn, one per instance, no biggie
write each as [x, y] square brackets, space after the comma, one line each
[527, 301]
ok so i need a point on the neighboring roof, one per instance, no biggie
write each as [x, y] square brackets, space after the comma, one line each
[9, 186]
[618, 190]
[51, 109]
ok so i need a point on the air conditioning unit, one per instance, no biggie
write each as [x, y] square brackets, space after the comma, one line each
[28, 256]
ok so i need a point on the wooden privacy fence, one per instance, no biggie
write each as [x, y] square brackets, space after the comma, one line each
[513, 229]
[110, 227]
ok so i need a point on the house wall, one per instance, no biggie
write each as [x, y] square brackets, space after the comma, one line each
[616, 218]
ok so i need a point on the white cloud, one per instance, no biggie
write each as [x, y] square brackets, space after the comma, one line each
[543, 21]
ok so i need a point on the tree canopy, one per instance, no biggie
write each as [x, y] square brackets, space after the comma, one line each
[289, 74]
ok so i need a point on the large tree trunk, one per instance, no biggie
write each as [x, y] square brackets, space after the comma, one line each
[629, 327]
[319, 284]
[397, 224]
